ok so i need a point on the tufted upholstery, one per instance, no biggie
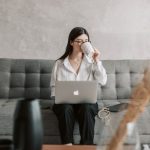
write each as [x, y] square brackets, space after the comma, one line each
[26, 78]
[31, 78]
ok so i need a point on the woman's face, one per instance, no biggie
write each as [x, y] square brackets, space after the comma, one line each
[76, 44]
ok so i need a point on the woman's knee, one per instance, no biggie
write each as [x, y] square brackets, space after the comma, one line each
[87, 108]
[63, 108]
[67, 108]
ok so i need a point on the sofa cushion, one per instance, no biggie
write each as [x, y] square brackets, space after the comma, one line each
[7, 108]
[123, 76]
[50, 122]
[31, 78]
[25, 78]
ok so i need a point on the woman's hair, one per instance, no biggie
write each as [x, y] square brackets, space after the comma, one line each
[75, 32]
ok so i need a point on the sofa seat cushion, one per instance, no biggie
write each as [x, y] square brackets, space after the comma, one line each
[143, 125]
[50, 122]
[104, 132]
[7, 108]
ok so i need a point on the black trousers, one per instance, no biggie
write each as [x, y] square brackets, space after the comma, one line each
[83, 113]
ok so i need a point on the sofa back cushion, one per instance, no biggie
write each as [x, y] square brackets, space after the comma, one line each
[123, 76]
[31, 78]
[25, 78]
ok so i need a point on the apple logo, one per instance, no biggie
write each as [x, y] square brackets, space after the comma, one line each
[76, 92]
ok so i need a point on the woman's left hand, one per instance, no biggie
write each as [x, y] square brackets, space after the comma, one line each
[96, 55]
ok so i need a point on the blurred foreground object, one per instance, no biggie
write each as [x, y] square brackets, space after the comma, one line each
[139, 99]
[28, 131]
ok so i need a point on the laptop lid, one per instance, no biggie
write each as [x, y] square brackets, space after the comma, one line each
[75, 92]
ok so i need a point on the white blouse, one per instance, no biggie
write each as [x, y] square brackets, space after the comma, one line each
[63, 71]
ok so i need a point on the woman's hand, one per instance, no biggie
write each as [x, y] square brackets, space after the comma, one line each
[96, 55]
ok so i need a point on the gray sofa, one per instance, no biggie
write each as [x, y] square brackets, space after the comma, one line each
[26, 78]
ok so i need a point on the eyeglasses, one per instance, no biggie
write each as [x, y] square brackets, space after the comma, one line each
[81, 42]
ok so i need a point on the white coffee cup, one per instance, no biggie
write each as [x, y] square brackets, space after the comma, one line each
[88, 50]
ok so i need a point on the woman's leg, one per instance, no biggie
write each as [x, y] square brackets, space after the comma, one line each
[66, 118]
[86, 118]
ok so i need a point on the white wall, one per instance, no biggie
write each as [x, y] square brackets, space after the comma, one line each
[120, 29]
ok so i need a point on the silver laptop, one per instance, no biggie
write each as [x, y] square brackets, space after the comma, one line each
[75, 92]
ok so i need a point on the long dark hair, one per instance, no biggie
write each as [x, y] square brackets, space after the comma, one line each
[75, 32]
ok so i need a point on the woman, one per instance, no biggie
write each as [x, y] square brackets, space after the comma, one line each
[73, 65]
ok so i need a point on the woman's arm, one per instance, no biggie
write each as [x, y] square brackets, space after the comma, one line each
[53, 79]
[99, 71]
